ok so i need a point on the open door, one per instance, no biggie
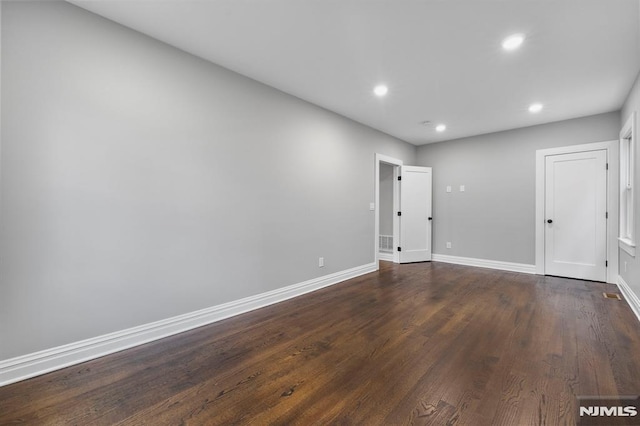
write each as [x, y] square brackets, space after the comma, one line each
[415, 214]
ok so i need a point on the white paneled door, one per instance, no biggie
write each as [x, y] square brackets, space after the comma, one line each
[576, 215]
[415, 214]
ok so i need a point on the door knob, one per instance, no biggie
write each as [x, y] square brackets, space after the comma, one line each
[430, 218]
[549, 221]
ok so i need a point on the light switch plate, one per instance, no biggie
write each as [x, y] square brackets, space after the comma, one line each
[372, 206]
[461, 188]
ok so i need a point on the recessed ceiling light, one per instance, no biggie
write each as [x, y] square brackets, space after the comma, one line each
[537, 107]
[441, 128]
[512, 42]
[380, 90]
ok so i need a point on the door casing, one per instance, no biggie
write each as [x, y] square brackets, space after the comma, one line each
[612, 202]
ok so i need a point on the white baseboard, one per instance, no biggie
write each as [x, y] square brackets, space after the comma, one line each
[385, 256]
[631, 298]
[482, 263]
[30, 365]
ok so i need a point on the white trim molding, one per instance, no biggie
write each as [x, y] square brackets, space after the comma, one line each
[34, 364]
[483, 263]
[385, 256]
[631, 298]
[612, 202]
[628, 246]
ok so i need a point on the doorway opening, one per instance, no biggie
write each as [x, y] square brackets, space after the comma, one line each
[387, 228]
[403, 222]
[385, 206]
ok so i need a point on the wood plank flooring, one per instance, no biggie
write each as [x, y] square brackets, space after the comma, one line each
[426, 343]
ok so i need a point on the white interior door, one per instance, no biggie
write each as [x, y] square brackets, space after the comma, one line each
[415, 217]
[575, 215]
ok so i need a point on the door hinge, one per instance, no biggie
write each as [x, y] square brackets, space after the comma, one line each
[399, 177]
[399, 248]
[606, 215]
[399, 213]
[606, 263]
[607, 166]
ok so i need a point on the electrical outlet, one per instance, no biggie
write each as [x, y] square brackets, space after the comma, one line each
[448, 188]
[321, 262]
[448, 244]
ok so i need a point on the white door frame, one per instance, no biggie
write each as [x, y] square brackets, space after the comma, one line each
[612, 201]
[380, 158]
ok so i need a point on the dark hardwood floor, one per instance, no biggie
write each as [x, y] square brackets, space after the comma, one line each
[427, 343]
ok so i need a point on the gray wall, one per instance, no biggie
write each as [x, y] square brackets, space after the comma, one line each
[139, 182]
[386, 199]
[632, 275]
[494, 218]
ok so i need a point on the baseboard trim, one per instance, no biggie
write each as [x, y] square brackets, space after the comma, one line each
[483, 263]
[629, 295]
[26, 366]
[385, 256]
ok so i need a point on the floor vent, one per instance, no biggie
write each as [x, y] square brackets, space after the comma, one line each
[386, 243]
[611, 296]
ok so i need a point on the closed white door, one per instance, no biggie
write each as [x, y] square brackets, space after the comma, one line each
[576, 215]
[415, 214]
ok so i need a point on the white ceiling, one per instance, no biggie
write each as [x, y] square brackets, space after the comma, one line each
[442, 60]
